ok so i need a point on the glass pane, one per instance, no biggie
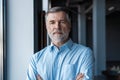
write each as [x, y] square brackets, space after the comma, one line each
[1, 40]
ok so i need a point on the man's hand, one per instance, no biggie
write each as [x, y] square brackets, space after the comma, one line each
[80, 76]
[38, 77]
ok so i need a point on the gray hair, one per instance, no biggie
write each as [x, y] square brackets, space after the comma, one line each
[57, 9]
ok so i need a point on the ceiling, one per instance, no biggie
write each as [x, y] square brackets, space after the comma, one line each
[111, 5]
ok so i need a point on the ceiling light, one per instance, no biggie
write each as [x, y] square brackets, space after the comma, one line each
[111, 8]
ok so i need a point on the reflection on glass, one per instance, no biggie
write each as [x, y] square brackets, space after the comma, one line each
[1, 41]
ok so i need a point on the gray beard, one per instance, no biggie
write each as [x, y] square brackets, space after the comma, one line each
[58, 39]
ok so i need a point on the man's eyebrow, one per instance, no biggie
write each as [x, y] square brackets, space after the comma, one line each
[51, 21]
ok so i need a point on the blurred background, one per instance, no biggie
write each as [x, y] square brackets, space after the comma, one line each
[95, 23]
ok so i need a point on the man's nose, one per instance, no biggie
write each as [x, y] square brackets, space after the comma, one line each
[57, 25]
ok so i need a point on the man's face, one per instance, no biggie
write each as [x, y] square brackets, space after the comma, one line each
[58, 26]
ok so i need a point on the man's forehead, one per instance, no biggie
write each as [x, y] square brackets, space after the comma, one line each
[57, 15]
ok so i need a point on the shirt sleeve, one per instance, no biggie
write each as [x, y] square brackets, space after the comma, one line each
[31, 71]
[88, 65]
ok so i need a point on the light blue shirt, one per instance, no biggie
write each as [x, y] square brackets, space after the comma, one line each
[64, 63]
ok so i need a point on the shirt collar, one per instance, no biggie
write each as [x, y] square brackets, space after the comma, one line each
[68, 45]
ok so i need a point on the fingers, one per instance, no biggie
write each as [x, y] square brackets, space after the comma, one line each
[80, 76]
[38, 77]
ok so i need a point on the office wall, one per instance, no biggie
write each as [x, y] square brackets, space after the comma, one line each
[113, 36]
[19, 37]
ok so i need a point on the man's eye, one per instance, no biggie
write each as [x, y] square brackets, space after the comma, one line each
[52, 22]
[62, 21]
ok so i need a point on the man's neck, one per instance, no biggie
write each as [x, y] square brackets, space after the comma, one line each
[58, 44]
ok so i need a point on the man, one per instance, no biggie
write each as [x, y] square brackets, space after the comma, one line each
[63, 59]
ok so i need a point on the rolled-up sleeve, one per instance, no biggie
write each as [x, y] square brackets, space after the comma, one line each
[31, 71]
[88, 65]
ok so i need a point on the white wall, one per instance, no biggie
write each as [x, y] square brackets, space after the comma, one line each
[45, 4]
[19, 37]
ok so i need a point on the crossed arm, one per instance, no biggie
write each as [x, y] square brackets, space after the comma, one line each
[78, 77]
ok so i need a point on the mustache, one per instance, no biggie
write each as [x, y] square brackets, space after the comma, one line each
[57, 31]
